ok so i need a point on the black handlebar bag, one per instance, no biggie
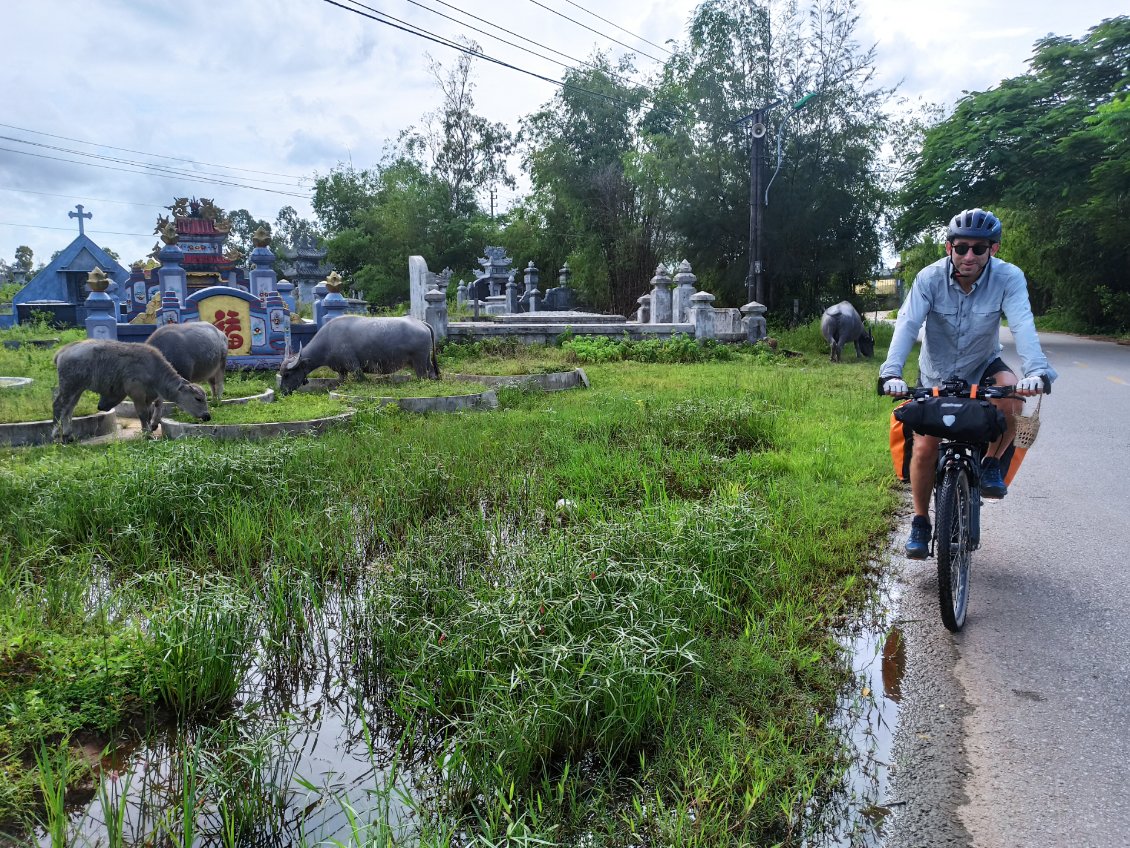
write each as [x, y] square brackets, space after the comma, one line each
[972, 420]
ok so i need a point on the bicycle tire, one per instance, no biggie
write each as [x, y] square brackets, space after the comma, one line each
[954, 548]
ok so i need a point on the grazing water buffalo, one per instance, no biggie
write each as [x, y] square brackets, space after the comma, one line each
[116, 370]
[197, 350]
[354, 345]
[841, 324]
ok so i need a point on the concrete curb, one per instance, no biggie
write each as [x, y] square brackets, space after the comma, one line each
[39, 432]
[554, 382]
[171, 429]
[444, 403]
[126, 408]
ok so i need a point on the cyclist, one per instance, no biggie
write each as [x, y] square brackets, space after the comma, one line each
[961, 299]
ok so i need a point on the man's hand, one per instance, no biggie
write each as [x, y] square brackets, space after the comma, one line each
[1035, 385]
[895, 386]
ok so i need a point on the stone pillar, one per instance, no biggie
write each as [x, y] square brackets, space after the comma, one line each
[169, 311]
[681, 299]
[661, 296]
[436, 313]
[101, 309]
[320, 292]
[461, 294]
[643, 314]
[754, 321]
[418, 278]
[262, 278]
[564, 275]
[285, 289]
[511, 294]
[171, 275]
[535, 300]
[531, 276]
[702, 315]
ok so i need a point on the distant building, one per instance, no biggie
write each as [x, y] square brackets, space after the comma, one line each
[59, 290]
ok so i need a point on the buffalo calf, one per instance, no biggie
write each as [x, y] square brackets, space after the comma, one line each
[116, 370]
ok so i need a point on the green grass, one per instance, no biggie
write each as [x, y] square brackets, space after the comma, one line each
[300, 406]
[653, 664]
[33, 402]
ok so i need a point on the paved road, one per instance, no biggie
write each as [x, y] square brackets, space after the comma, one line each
[1016, 732]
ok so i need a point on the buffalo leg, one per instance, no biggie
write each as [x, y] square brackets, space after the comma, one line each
[62, 407]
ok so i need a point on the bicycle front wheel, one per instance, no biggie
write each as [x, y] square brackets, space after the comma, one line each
[953, 545]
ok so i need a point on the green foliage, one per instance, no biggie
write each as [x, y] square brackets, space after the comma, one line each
[1049, 152]
[678, 348]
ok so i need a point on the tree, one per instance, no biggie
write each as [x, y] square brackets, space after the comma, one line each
[586, 159]
[342, 196]
[822, 228]
[466, 151]
[1048, 151]
[25, 258]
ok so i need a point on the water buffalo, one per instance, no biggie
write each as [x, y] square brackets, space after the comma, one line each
[352, 344]
[197, 350]
[115, 370]
[841, 324]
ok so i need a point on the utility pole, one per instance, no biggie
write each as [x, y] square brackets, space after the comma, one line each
[759, 198]
[754, 282]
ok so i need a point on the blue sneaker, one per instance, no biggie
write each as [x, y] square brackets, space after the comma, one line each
[992, 483]
[918, 545]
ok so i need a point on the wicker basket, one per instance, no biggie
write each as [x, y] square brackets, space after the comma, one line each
[1028, 427]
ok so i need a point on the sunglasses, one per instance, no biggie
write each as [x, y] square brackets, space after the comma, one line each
[978, 249]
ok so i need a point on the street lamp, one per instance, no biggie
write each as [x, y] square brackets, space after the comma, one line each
[755, 284]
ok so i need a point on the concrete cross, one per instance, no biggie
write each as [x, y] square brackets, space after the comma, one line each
[80, 215]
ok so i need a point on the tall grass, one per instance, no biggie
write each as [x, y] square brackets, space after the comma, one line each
[652, 664]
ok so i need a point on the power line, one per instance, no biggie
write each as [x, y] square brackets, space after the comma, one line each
[148, 173]
[597, 32]
[81, 197]
[477, 54]
[629, 32]
[144, 153]
[160, 168]
[71, 229]
[508, 32]
[411, 29]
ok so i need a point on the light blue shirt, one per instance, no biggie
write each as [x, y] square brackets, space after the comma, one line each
[963, 330]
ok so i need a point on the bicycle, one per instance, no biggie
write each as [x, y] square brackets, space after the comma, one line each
[957, 497]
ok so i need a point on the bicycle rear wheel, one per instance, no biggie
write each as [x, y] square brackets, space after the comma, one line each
[953, 546]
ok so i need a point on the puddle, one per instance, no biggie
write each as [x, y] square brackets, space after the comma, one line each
[306, 752]
[866, 718]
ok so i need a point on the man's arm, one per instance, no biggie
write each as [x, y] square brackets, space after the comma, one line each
[1018, 310]
[910, 319]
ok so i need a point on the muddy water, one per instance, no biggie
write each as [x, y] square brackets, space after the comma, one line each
[866, 718]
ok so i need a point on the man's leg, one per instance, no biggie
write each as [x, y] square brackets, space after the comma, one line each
[992, 480]
[923, 463]
[1011, 408]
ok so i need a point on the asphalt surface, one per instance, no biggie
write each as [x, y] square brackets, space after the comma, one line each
[1016, 732]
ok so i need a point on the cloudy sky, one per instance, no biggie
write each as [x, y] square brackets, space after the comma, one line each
[121, 105]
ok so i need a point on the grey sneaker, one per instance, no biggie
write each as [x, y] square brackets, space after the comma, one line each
[918, 545]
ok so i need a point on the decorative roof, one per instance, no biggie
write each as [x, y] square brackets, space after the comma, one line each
[198, 227]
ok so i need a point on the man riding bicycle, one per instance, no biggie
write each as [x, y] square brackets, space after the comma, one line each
[961, 299]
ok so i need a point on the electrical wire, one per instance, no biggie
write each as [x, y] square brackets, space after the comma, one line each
[144, 153]
[148, 173]
[597, 32]
[573, 59]
[477, 54]
[160, 168]
[610, 23]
